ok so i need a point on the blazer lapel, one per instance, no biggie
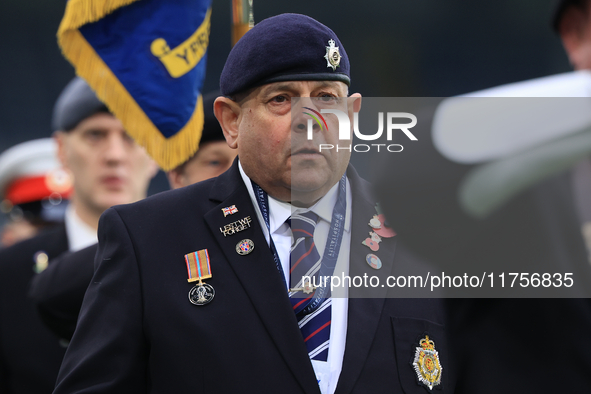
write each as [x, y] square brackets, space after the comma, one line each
[364, 313]
[259, 276]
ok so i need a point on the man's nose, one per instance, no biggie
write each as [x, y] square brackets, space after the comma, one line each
[116, 149]
[306, 116]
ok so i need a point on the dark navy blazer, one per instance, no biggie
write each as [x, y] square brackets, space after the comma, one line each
[138, 332]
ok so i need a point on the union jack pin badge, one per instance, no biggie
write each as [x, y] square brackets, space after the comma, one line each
[231, 210]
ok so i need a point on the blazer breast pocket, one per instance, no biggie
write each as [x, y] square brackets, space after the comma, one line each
[421, 355]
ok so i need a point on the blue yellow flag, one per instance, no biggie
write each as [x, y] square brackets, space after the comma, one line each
[145, 59]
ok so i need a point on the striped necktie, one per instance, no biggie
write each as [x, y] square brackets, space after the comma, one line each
[305, 261]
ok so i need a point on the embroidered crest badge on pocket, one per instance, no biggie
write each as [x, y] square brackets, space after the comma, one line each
[426, 363]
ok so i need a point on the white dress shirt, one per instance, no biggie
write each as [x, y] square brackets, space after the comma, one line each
[80, 235]
[327, 372]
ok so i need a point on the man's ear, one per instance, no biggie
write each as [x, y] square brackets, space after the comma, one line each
[175, 178]
[354, 104]
[570, 28]
[227, 113]
[153, 168]
[60, 139]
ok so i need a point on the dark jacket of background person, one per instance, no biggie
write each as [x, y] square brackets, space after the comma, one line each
[31, 368]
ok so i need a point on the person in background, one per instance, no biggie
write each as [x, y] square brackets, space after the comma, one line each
[572, 22]
[34, 189]
[509, 345]
[59, 290]
[108, 168]
[214, 156]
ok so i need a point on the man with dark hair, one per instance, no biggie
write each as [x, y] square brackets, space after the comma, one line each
[247, 321]
[108, 168]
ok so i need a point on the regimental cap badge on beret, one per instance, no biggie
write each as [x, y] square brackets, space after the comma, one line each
[426, 363]
[333, 56]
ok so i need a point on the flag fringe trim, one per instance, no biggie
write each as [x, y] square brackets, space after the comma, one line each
[81, 12]
[169, 153]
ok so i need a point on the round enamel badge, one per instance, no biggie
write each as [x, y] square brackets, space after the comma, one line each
[244, 247]
[373, 261]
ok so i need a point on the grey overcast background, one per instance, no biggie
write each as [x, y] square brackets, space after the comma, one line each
[428, 48]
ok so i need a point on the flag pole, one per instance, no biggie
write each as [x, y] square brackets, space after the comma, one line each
[242, 18]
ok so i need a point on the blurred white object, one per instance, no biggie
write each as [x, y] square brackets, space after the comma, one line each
[504, 120]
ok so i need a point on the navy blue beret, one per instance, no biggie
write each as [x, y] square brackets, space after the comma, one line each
[287, 47]
[76, 102]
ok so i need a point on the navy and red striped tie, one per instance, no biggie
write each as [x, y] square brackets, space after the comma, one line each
[306, 261]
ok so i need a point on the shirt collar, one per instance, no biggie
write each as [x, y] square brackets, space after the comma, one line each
[280, 211]
[80, 234]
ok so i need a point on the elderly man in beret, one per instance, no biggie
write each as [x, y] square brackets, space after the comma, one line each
[193, 289]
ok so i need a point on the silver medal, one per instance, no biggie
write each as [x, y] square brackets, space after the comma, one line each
[201, 294]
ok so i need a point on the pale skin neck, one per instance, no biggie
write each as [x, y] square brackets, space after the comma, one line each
[89, 216]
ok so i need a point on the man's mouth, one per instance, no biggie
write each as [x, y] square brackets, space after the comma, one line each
[306, 151]
[112, 181]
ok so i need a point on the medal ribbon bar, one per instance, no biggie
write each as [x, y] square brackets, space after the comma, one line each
[198, 265]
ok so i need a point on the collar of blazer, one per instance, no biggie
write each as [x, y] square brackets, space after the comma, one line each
[258, 275]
